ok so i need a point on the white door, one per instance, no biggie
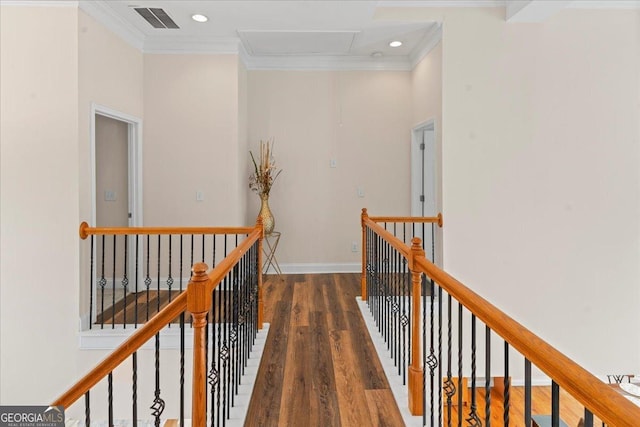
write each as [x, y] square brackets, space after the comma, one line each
[424, 181]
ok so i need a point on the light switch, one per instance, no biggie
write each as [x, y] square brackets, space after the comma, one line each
[199, 196]
[333, 163]
[109, 195]
[360, 192]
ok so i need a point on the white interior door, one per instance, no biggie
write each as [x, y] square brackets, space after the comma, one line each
[424, 180]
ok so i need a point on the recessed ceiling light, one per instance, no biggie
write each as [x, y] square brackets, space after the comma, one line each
[395, 43]
[199, 18]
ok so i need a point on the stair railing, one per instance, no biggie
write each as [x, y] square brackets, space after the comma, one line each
[404, 290]
[132, 272]
[226, 308]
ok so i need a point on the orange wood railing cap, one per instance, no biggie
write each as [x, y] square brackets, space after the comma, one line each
[157, 322]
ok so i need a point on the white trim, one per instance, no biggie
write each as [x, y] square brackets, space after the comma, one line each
[432, 39]
[314, 268]
[136, 150]
[441, 3]
[335, 62]
[107, 17]
[109, 339]
[605, 4]
[192, 45]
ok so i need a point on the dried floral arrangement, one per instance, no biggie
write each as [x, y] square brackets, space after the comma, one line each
[266, 172]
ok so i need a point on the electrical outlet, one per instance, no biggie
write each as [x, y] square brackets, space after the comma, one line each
[354, 246]
[360, 192]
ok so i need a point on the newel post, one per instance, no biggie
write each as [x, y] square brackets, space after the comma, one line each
[198, 304]
[259, 272]
[363, 276]
[416, 379]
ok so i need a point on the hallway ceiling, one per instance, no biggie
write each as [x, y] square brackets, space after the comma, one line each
[285, 33]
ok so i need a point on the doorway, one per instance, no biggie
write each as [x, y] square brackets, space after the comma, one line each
[424, 181]
[116, 168]
[116, 197]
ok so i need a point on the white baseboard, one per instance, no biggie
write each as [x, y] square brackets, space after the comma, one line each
[314, 268]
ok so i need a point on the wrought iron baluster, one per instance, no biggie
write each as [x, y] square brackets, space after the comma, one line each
[449, 387]
[213, 377]
[225, 347]
[406, 286]
[182, 337]
[555, 404]
[134, 391]
[158, 285]
[395, 308]
[169, 277]
[125, 281]
[113, 287]
[110, 397]
[440, 391]
[527, 392]
[147, 279]
[91, 286]
[460, 365]
[203, 240]
[588, 418]
[473, 420]
[135, 315]
[432, 360]
[487, 383]
[213, 251]
[507, 386]
[158, 404]
[102, 283]
[87, 410]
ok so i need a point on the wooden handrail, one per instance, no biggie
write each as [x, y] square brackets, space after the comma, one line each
[155, 324]
[417, 219]
[126, 349]
[610, 406]
[218, 274]
[86, 231]
[386, 235]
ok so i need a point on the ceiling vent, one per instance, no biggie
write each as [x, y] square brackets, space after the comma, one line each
[157, 17]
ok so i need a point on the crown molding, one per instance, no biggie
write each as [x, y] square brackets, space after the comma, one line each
[326, 63]
[190, 45]
[431, 40]
[103, 14]
[441, 3]
[606, 4]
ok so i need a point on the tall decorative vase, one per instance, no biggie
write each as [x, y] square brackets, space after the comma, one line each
[268, 222]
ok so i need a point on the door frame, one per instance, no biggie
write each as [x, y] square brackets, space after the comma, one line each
[416, 166]
[134, 161]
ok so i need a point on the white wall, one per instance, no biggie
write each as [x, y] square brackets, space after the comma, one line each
[109, 74]
[540, 177]
[360, 119]
[426, 94]
[191, 140]
[39, 202]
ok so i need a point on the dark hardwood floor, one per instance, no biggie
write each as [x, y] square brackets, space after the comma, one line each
[319, 366]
